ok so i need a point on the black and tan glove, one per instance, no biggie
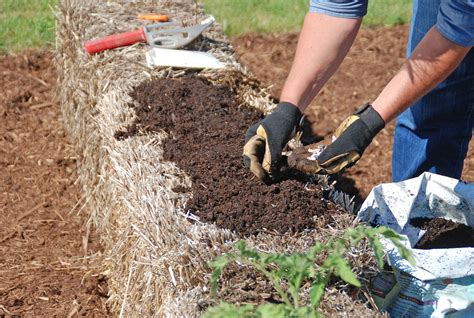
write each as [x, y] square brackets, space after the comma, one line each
[264, 141]
[352, 138]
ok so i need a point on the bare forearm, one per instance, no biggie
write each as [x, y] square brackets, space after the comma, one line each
[431, 62]
[323, 43]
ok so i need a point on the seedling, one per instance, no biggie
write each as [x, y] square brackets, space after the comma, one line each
[289, 272]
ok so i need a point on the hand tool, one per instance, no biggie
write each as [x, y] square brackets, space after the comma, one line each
[154, 17]
[162, 35]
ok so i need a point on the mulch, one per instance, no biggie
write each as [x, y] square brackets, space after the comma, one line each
[47, 263]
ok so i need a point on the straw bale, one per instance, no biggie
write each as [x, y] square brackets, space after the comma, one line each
[155, 258]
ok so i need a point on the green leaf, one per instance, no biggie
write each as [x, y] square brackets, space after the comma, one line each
[405, 253]
[240, 245]
[272, 311]
[389, 233]
[244, 251]
[225, 310]
[316, 249]
[219, 262]
[344, 271]
[357, 234]
[395, 238]
[217, 265]
[266, 259]
[378, 251]
[317, 292]
[214, 282]
[304, 312]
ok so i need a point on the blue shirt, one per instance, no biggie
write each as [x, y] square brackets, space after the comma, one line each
[455, 18]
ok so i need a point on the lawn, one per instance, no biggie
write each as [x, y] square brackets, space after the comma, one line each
[26, 24]
[30, 23]
[242, 16]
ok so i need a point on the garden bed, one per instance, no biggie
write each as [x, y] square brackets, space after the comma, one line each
[206, 124]
[156, 258]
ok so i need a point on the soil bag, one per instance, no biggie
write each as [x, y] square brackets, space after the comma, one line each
[442, 282]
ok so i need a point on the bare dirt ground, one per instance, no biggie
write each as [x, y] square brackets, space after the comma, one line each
[375, 57]
[49, 263]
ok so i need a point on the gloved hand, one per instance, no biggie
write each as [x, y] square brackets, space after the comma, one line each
[353, 136]
[264, 141]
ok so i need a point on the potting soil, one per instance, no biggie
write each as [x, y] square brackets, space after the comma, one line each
[206, 124]
[442, 233]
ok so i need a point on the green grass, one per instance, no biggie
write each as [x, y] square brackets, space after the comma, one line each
[241, 16]
[30, 23]
[388, 12]
[25, 24]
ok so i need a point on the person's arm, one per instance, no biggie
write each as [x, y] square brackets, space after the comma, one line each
[431, 62]
[323, 43]
[435, 57]
[327, 34]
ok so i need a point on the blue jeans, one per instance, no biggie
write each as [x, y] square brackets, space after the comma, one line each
[434, 133]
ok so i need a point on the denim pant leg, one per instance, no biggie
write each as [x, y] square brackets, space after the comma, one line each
[434, 133]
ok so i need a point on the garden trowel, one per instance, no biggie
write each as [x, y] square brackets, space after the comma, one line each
[167, 35]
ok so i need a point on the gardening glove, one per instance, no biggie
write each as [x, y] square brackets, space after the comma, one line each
[352, 138]
[264, 141]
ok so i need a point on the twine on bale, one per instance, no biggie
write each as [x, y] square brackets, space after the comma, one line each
[156, 260]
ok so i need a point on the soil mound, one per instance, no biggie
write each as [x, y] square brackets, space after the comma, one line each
[442, 233]
[207, 126]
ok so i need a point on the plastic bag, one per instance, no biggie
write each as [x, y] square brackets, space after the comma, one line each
[442, 282]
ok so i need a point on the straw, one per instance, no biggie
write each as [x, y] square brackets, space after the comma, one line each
[156, 259]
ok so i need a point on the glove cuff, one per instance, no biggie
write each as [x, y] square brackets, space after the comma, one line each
[371, 119]
[289, 111]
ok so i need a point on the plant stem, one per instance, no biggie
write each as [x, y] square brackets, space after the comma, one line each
[276, 284]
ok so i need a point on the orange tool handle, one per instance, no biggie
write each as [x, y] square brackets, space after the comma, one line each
[116, 40]
[154, 17]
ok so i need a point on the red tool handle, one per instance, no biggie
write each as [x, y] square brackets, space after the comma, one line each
[116, 40]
